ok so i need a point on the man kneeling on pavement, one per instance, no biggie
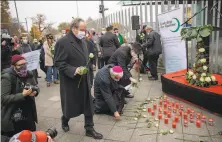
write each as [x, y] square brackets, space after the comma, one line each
[108, 93]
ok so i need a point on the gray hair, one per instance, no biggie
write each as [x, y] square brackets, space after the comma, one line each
[75, 23]
[148, 26]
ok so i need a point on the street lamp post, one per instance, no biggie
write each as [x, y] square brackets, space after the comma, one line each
[102, 10]
[77, 8]
[17, 17]
[27, 27]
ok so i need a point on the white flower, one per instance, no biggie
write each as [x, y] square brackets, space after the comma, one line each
[203, 74]
[201, 50]
[194, 65]
[207, 79]
[202, 79]
[213, 78]
[203, 60]
[190, 73]
[91, 55]
[205, 67]
[194, 77]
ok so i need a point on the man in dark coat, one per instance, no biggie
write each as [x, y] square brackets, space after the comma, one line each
[99, 50]
[108, 94]
[154, 49]
[70, 54]
[108, 43]
[122, 57]
[18, 109]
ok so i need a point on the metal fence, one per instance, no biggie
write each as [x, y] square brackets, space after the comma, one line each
[148, 12]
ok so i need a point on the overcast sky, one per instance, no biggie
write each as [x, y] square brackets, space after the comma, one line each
[60, 11]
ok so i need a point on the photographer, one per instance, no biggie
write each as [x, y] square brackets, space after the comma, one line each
[17, 98]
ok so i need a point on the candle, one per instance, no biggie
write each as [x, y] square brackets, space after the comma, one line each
[177, 105]
[192, 112]
[169, 114]
[165, 105]
[185, 116]
[191, 119]
[153, 113]
[173, 103]
[154, 106]
[198, 123]
[165, 111]
[174, 125]
[185, 123]
[203, 119]
[160, 116]
[174, 110]
[176, 119]
[180, 112]
[149, 109]
[181, 107]
[211, 122]
[198, 115]
[166, 120]
[169, 107]
[161, 102]
[188, 110]
[160, 109]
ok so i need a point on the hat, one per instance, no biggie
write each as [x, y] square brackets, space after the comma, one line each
[117, 71]
[16, 58]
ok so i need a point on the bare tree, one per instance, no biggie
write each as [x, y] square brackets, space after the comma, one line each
[40, 22]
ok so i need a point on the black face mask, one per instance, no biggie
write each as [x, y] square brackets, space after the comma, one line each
[94, 33]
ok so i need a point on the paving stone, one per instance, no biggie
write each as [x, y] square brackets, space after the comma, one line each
[105, 119]
[67, 137]
[170, 137]
[52, 112]
[56, 105]
[219, 139]
[54, 98]
[44, 123]
[103, 129]
[126, 122]
[120, 134]
[192, 129]
[197, 138]
[77, 128]
[88, 139]
[136, 137]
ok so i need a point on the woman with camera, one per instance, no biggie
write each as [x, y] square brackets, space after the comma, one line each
[18, 109]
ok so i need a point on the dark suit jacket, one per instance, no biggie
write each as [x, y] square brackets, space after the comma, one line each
[109, 43]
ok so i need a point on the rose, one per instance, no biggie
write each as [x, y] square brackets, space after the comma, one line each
[190, 73]
[213, 78]
[202, 79]
[194, 77]
[207, 79]
[194, 65]
[201, 50]
[203, 60]
[203, 74]
[91, 55]
[205, 67]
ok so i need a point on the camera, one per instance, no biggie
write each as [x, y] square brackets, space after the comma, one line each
[52, 132]
[8, 39]
[34, 88]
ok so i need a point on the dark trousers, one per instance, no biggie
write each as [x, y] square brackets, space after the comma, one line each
[153, 62]
[20, 126]
[124, 83]
[88, 122]
[42, 67]
[103, 61]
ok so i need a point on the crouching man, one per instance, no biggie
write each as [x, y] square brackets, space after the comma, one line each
[108, 94]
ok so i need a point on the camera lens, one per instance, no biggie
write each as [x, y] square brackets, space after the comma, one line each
[52, 132]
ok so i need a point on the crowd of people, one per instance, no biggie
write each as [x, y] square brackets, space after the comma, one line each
[64, 62]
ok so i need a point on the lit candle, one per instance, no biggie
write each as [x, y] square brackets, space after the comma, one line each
[177, 105]
[169, 107]
[176, 119]
[185, 123]
[173, 103]
[185, 116]
[166, 120]
[192, 112]
[165, 111]
[174, 125]
[203, 119]
[211, 122]
[174, 110]
[181, 107]
[180, 112]
[198, 115]
[191, 119]
[149, 109]
[154, 106]
[198, 123]
[169, 114]
[160, 116]
[188, 110]
[161, 102]
[160, 109]
[153, 113]
[165, 105]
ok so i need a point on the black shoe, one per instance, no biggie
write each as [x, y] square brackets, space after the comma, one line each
[149, 77]
[129, 96]
[153, 78]
[94, 134]
[65, 126]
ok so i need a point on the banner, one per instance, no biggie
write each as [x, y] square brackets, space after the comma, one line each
[32, 59]
[174, 49]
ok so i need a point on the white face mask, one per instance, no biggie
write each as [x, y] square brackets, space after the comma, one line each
[25, 41]
[80, 35]
[103, 32]
[117, 34]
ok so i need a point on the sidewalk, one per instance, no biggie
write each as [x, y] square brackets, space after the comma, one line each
[128, 129]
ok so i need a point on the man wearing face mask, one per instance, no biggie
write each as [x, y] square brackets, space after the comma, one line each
[18, 109]
[119, 36]
[70, 54]
[99, 50]
[108, 94]
[153, 50]
[122, 57]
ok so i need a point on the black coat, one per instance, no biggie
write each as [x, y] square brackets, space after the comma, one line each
[109, 43]
[12, 99]
[104, 87]
[71, 53]
[153, 43]
[122, 57]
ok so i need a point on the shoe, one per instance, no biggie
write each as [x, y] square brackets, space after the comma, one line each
[153, 78]
[65, 127]
[149, 77]
[56, 82]
[129, 96]
[94, 134]
[48, 84]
